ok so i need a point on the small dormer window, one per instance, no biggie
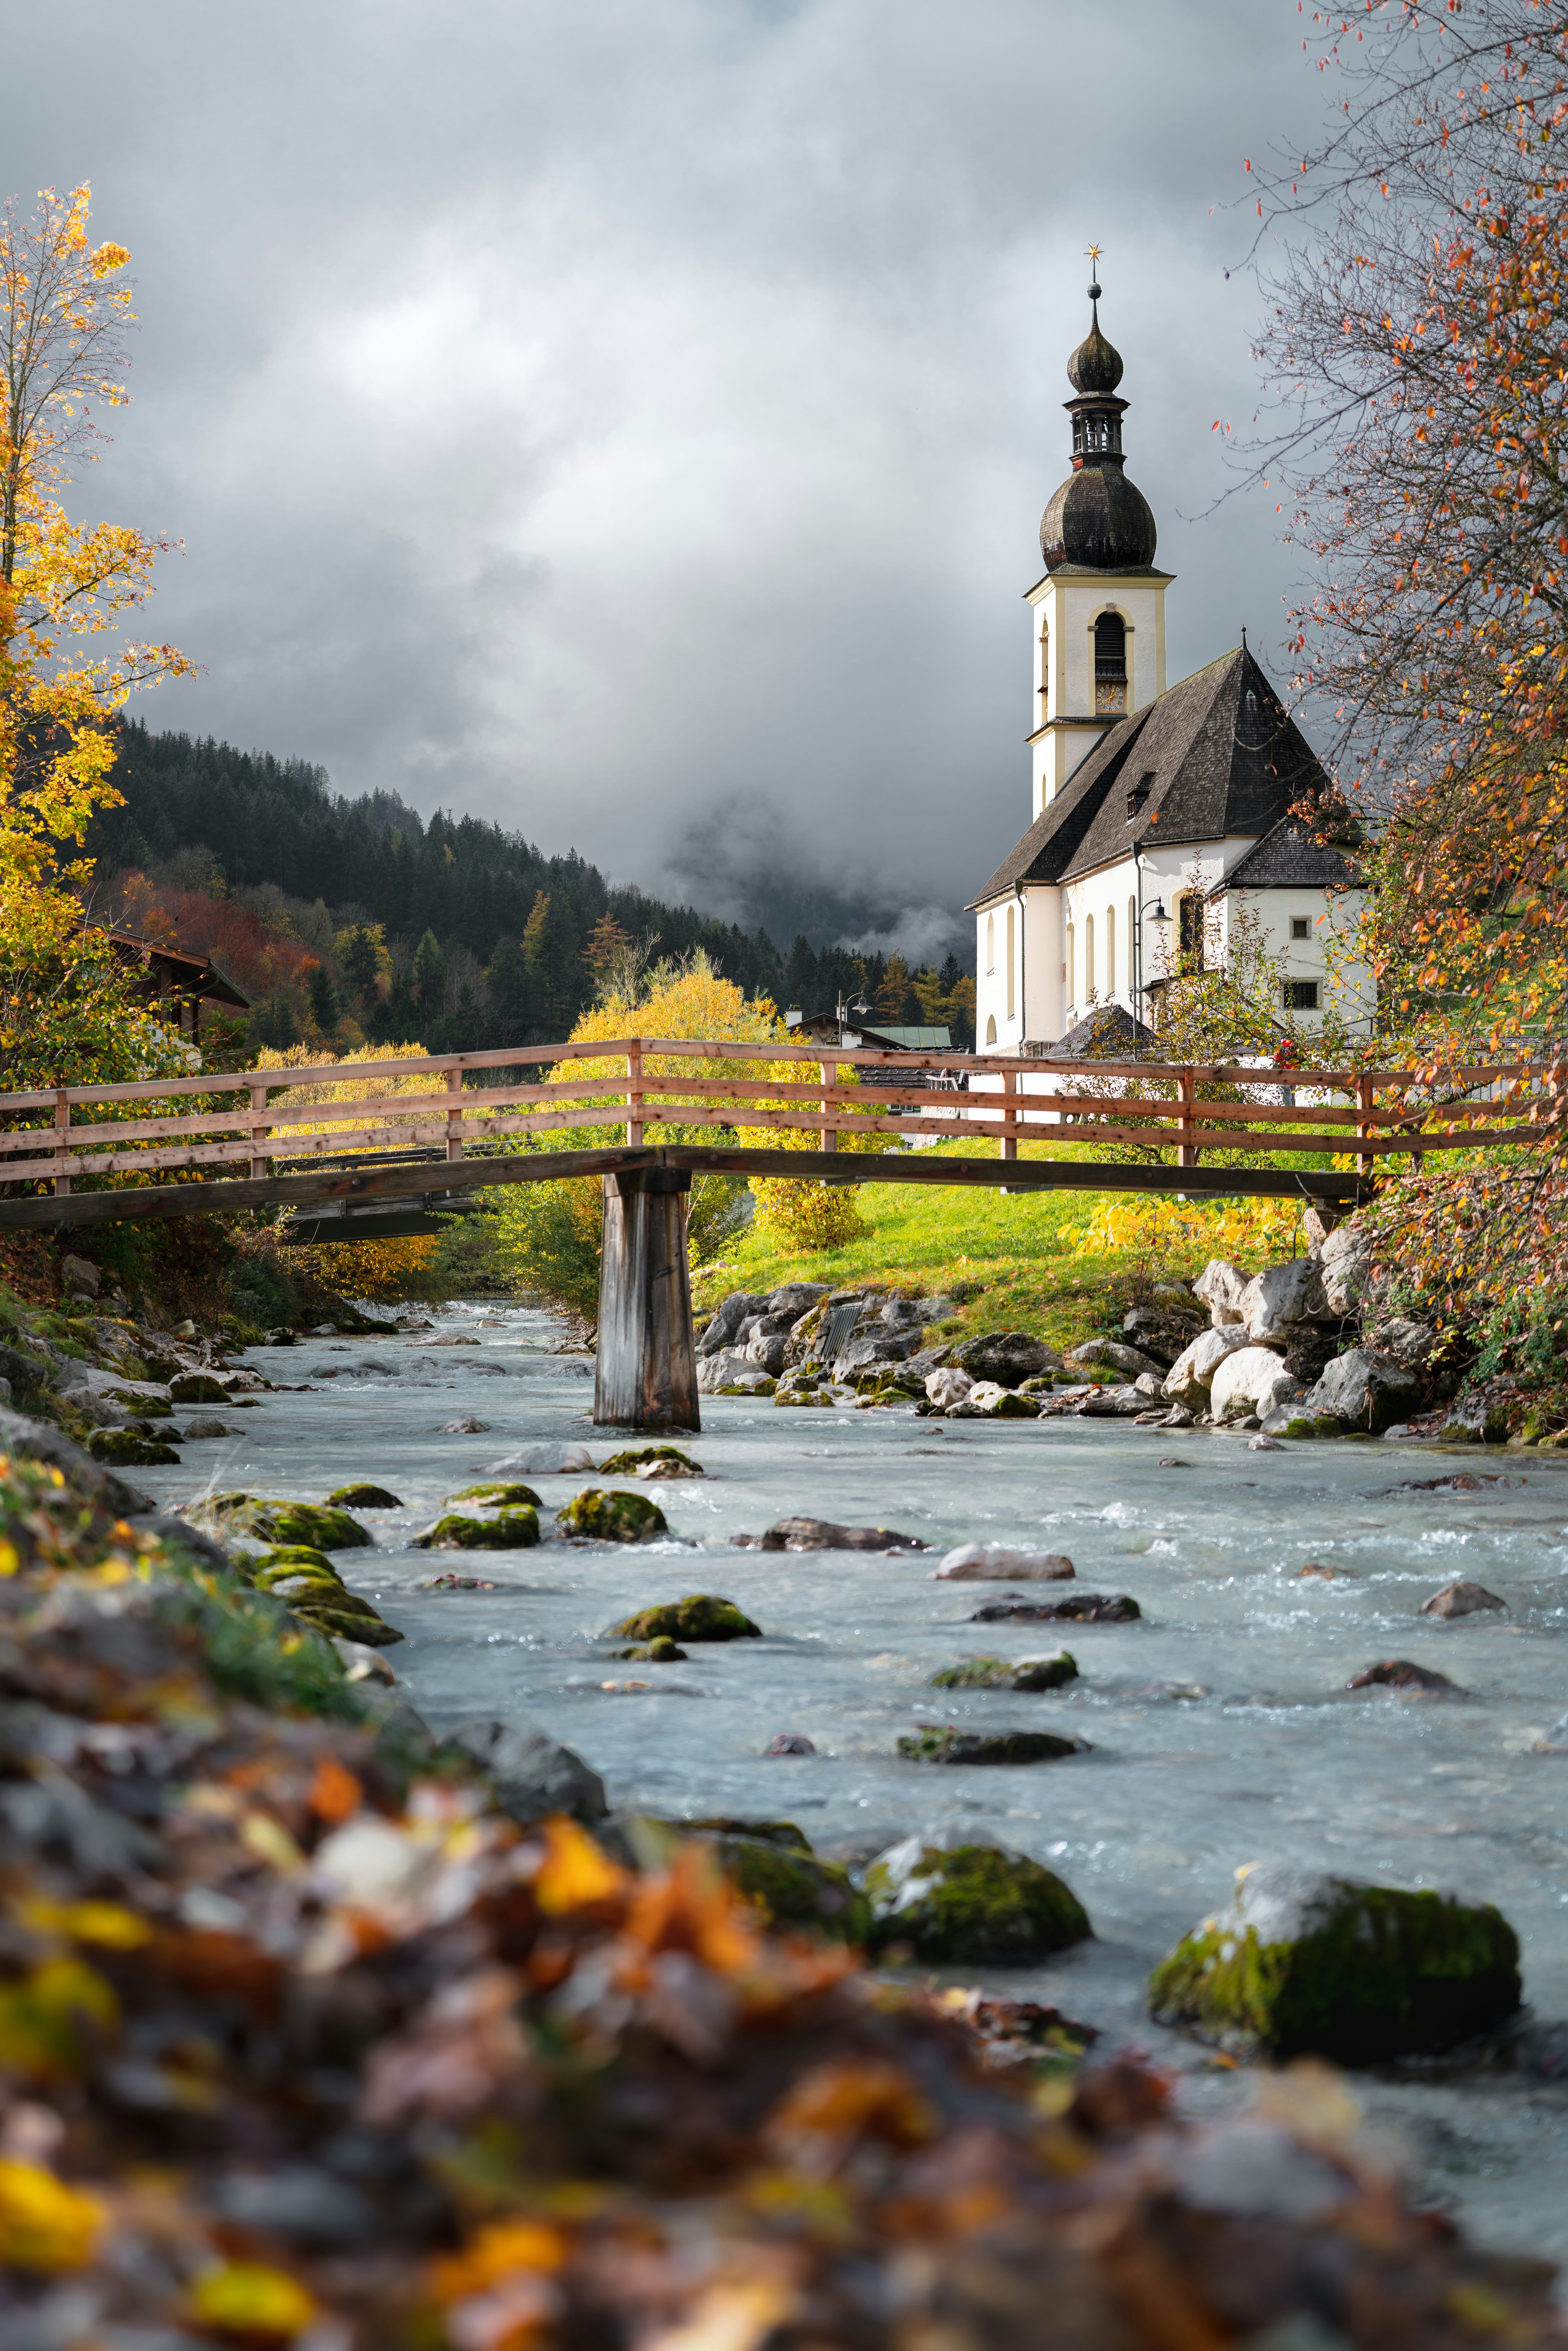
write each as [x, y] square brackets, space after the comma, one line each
[1139, 794]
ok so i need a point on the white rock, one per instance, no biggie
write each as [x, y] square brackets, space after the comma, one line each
[1220, 1285]
[949, 1385]
[1346, 1266]
[544, 1460]
[993, 1562]
[1361, 1389]
[1188, 1380]
[1281, 1296]
[1251, 1379]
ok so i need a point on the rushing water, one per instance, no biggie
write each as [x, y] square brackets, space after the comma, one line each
[1274, 1760]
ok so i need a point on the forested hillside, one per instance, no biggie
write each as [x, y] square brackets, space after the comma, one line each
[346, 916]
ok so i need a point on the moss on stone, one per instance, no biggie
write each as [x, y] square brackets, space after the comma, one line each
[122, 1448]
[507, 1531]
[995, 1673]
[771, 1832]
[662, 1652]
[700, 1616]
[506, 1494]
[198, 1387]
[793, 1889]
[1328, 1965]
[617, 1517]
[363, 1498]
[626, 1465]
[975, 1904]
[276, 1522]
[934, 1744]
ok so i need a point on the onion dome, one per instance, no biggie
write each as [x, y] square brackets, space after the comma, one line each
[1098, 519]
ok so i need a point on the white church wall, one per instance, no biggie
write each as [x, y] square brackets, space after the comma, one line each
[1067, 605]
[1303, 929]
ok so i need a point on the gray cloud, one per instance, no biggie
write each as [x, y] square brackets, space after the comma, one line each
[632, 422]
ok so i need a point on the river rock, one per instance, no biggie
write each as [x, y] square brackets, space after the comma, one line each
[1461, 1599]
[372, 1498]
[1250, 1379]
[998, 1562]
[509, 1529]
[729, 1316]
[652, 1461]
[498, 1494]
[961, 1899]
[79, 1278]
[198, 1387]
[995, 1673]
[948, 1387]
[276, 1522]
[700, 1616]
[765, 1349]
[547, 1461]
[824, 1534]
[122, 1448]
[660, 1652]
[1410, 1344]
[1398, 1673]
[1079, 1608]
[1220, 1286]
[465, 1426]
[790, 1742]
[532, 1776]
[1360, 1390]
[988, 1401]
[1345, 1266]
[1476, 1420]
[1007, 1357]
[796, 1299]
[726, 1367]
[1111, 1404]
[1302, 1963]
[1131, 1360]
[210, 1428]
[1281, 1296]
[932, 1742]
[1189, 1378]
[792, 1887]
[612, 1516]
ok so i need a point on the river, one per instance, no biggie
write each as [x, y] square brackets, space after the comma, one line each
[1273, 1761]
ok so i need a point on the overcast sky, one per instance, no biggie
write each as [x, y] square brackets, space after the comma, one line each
[630, 419]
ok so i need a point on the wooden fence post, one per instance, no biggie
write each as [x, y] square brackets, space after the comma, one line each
[62, 1139]
[634, 1094]
[454, 1116]
[646, 1373]
[1010, 1147]
[1187, 1135]
[259, 1134]
[828, 1136]
[1367, 1160]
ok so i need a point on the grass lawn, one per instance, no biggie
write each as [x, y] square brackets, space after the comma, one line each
[1009, 1258]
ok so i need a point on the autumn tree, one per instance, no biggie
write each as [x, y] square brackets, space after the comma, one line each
[68, 1010]
[1416, 345]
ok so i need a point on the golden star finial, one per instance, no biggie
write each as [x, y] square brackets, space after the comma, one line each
[1092, 251]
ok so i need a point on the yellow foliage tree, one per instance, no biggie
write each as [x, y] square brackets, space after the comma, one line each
[69, 1012]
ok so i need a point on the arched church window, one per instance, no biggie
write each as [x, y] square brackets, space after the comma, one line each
[1110, 952]
[1110, 664]
[1009, 963]
[1089, 958]
[991, 1030]
[1070, 970]
[990, 945]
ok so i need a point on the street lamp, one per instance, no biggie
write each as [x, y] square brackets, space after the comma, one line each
[1154, 914]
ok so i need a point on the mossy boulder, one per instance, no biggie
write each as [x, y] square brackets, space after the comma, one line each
[308, 1585]
[637, 1459]
[617, 1517]
[122, 1448]
[275, 1521]
[507, 1531]
[1302, 1962]
[700, 1616]
[506, 1494]
[783, 1833]
[965, 1902]
[995, 1673]
[365, 1498]
[945, 1743]
[662, 1652]
[198, 1387]
[794, 1889]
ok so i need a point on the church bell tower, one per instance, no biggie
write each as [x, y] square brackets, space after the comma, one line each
[1100, 610]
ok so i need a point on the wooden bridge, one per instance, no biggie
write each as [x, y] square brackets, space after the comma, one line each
[350, 1158]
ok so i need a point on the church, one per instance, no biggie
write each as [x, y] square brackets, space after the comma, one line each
[1158, 811]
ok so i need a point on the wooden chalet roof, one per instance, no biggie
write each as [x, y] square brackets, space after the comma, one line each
[1215, 755]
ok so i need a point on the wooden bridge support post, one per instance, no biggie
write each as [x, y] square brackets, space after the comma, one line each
[646, 1374]
[1010, 1149]
[1365, 1125]
[62, 1139]
[455, 1114]
[828, 1136]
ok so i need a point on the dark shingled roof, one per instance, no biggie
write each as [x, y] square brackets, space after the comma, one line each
[1290, 858]
[1101, 1034]
[1220, 754]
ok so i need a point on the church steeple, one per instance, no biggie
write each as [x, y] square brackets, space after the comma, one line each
[1097, 520]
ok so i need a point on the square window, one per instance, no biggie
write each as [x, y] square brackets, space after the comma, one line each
[1300, 996]
[1300, 928]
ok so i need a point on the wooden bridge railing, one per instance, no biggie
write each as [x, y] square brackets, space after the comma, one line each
[59, 1135]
